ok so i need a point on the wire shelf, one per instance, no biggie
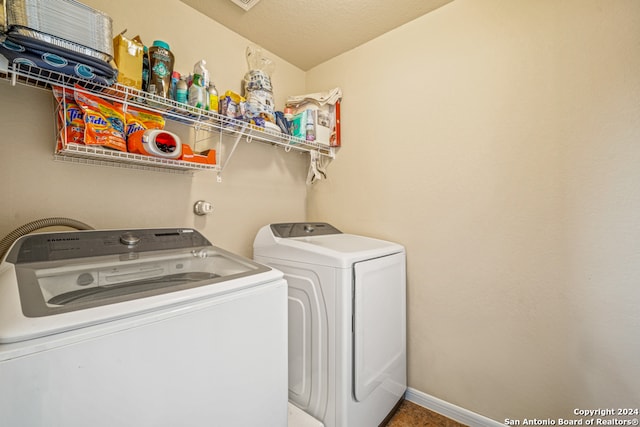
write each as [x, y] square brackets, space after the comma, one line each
[196, 118]
[86, 154]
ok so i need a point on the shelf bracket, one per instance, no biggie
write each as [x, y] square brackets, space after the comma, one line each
[239, 136]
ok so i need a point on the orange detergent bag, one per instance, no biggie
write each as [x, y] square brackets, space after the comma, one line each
[104, 121]
[70, 117]
[138, 121]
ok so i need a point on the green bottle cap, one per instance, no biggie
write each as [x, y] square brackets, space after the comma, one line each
[160, 43]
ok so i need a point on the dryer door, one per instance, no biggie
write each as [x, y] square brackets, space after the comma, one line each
[308, 338]
[379, 330]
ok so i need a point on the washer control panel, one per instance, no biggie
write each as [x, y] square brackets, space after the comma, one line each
[83, 244]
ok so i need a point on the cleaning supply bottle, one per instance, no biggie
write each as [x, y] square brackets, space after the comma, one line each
[198, 95]
[145, 69]
[160, 68]
[182, 88]
[213, 97]
[175, 78]
[310, 127]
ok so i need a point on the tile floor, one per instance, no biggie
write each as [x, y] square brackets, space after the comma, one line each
[411, 415]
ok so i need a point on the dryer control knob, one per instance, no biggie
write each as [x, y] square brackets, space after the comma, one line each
[129, 239]
[309, 228]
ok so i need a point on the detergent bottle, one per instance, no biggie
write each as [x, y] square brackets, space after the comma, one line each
[160, 68]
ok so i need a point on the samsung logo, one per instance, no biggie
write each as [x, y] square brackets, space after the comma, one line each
[63, 239]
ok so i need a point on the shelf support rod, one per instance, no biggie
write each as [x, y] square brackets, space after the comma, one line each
[14, 76]
[235, 145]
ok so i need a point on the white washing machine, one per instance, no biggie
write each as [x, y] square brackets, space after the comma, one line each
[347, 320]
[141, 328]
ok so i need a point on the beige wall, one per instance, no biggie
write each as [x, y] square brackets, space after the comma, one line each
[498, 141]
[261, 184]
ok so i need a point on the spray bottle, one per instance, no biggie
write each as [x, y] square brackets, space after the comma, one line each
[198, 92]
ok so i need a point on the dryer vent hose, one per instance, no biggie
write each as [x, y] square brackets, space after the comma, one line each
[32, 226]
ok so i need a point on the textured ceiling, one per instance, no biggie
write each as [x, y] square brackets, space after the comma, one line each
[309, 32]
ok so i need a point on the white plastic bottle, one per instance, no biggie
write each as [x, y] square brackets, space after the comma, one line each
[213, 97]
[198, 92]
[182, 90]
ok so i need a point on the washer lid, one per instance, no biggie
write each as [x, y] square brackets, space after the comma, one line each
[51, 282]
[335, 250]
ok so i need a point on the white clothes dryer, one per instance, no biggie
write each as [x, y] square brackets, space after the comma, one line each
[347, 320]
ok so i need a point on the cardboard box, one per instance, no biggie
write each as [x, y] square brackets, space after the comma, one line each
[207, 157]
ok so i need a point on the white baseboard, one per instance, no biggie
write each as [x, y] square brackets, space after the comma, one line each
[449, 410]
